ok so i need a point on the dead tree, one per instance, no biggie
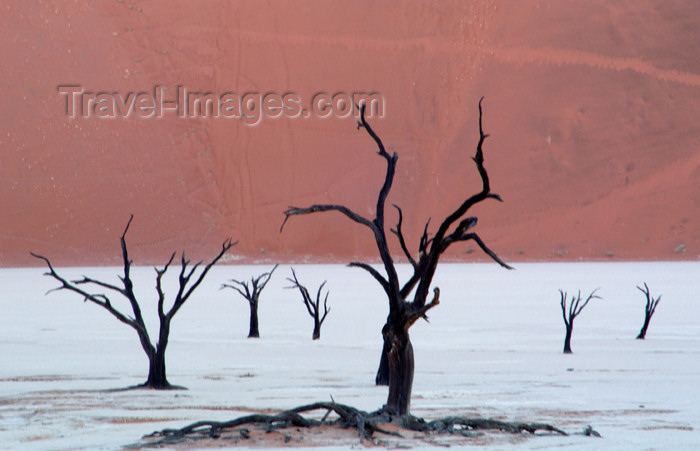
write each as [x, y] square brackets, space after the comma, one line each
[313, 307]
[403, 313]
[252, 294]
[649, 310]
[156, 353]
[367, 424]
[570, 313]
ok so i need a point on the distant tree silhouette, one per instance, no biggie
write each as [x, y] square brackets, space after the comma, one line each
[251, 292]
[397, 358]
[156, 353]
[313, 307]
[648, 311]
[570, 313]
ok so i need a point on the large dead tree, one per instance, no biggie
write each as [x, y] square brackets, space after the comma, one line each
[313, 307]
[648, 311]
[571, 312]
[156, 353]
[403, 313]
[251, 292]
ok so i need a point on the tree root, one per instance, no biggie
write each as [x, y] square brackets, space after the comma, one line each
[367, 424]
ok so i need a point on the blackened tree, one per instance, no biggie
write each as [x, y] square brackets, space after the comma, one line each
[648, 311]
[156, 353]
[313, 307]
[251, 292]
[571, 312]
[403, 313]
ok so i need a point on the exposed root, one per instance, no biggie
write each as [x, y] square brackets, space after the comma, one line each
[367, 424]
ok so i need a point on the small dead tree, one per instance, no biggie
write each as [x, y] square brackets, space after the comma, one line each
[313, 307]
[156, 353]
[649, 310]
[251, 292]
[571, 312]
[403, 313]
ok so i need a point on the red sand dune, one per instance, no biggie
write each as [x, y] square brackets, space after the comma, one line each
[592, 108]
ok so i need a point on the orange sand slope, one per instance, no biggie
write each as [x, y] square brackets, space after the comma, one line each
[592, 108]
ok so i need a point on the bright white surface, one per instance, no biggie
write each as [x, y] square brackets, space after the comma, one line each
[492, 349]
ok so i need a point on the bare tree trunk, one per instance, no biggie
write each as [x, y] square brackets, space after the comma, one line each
[317, 329]
[382, 377]
[156, 359]
[156, 372]
[401, 369]
[253, 332]
[643, 333]
[567, 338]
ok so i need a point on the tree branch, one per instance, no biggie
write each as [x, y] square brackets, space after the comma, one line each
[476, 198]
[575, 306]
[265, 278]
[183, 292]
[326, 309]
[308, 303]
[159, 286]
[474, 237]
[244, 286]
[128, 284]
[420, 312]
[257, 284]
[424, 241]
[441, 241]
[411, 283]
[377, 225]
[292, 211]
[590, 296]
[563, 296]
[651, 302]
[109, 286]
[398, 232]
[390, 170]
[99, 299]
[382, 281]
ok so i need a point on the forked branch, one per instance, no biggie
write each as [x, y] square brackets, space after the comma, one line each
[97, 298]
[251, 290]
[570, 312]
[575, 305]
[442, 239]
[293, 211]
[649, 310]
[155, 351]
[399, 234]
[312, 306]
[184, 291]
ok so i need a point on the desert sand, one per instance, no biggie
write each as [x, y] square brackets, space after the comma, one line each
[591, 106]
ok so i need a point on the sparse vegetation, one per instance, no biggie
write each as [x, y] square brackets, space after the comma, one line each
[251, 292]
[156, 352]
[312, 306]
[571, 312]
[649, 310]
